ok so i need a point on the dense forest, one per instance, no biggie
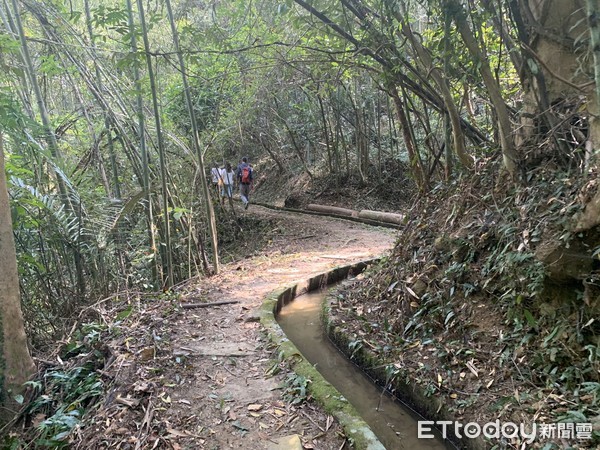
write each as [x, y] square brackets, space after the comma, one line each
[475, 119]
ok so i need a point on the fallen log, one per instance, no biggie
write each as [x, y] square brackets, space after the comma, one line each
[382, 216]
[331, 210]
[207, 305]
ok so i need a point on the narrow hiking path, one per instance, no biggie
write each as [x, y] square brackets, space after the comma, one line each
[204, 378]
[226, 396]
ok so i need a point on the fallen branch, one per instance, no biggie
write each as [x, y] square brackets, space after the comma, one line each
[226, 355]
[331, 210]
[207, 305]
[314, 423]
[381, 216]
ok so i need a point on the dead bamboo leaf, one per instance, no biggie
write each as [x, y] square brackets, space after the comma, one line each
[255, 407]
[38, 419]
[472, 368]
[141, 386]
[411, 292]
[328, 423]
[130, 402]
[146, 354]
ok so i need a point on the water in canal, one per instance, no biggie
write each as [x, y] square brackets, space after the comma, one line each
[394, 425]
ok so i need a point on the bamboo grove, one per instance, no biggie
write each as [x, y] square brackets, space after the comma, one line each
[112, 112]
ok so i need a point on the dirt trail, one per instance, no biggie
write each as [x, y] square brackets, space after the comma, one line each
[222, 396]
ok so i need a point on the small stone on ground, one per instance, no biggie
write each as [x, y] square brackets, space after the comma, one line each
[291, 442]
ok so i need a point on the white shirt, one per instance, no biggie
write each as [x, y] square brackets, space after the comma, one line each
[215, 174]
[227, 176]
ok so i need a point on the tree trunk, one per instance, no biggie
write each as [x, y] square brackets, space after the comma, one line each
[447, 124]
[331, 210]
[325, 133]
[425, 58]
[382, 216]
[593, 14]
[590, 216]
[549, 31]
[16, 366]
[411, 148]
[509, 152]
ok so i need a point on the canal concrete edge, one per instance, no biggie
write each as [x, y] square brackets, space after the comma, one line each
[321, 390]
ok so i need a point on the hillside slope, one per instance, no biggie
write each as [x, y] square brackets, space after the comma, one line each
[489, 305]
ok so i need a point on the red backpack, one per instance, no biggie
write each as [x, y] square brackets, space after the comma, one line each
[246, 175]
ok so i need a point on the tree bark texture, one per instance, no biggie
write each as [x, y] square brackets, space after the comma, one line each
[549, 30]
[16, 366]
[593, 13]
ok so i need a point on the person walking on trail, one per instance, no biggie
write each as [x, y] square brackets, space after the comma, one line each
[226, 182]
[214, 174]
[244, 175]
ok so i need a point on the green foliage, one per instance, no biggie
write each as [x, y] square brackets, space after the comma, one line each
[64, 394]
[11, 115]
[111, 18]
[50, 66]
[55, 430]
[28, 196]
[207, 104]
[276, 365]
[295, 389]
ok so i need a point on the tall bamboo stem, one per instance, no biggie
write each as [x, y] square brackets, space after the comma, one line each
[196, 142]
[161, 148]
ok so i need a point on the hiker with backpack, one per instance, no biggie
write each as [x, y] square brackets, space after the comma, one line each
[226, 182]
[244, 175]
